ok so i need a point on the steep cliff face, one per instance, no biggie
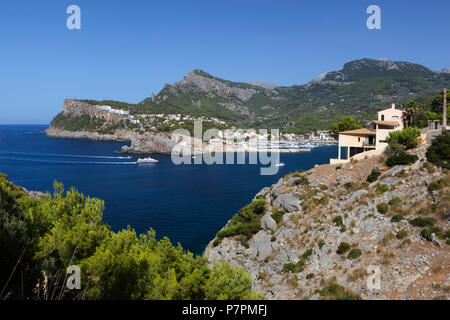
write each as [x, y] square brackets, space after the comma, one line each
[81, 120]
[325, 228]
[78, 108]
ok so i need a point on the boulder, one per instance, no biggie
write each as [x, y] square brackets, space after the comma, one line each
[288, 202]
[293, 182]
[268, 223]
[276, 191]
[263, 244]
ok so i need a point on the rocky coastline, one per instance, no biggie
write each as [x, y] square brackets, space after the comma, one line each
[139, 143]
[302, 256]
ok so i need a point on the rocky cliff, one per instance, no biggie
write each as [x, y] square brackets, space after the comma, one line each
[323, 229]
[82, 120]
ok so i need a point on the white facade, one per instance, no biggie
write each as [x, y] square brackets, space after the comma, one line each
[359, 142]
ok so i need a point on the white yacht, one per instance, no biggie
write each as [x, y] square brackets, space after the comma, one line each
[147, 160]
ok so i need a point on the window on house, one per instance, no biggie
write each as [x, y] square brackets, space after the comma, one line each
[382, 117]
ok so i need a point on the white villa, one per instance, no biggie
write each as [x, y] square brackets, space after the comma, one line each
[371, 141]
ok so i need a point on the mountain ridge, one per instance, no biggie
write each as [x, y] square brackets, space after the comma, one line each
[361, 88]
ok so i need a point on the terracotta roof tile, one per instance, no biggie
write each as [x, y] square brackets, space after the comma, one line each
[386, 123]
[363, 131]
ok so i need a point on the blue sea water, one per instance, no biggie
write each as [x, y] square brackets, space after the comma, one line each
[187, 203]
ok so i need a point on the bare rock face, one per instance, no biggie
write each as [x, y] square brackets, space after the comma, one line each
[304, 252]
[141, 143]
[148, 143]
[288, 202]
[200, 81]
[268, 223]
[78, 108]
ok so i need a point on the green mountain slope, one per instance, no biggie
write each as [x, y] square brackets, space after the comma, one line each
[360, 88]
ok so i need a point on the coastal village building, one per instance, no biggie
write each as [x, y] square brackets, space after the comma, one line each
[369, 141]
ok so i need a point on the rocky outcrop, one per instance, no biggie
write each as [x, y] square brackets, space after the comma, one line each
[199, 80]
[304, 253]
[140, 143]
[75, 107]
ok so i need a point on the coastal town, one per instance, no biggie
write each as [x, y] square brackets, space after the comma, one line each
[159, 133]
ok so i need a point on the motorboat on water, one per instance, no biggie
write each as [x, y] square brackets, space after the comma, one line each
[147, 160]
[281, 164]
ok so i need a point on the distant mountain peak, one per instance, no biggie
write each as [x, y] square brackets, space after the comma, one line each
[445, 70]
[265, 85]
[368, 68]
[199, 72]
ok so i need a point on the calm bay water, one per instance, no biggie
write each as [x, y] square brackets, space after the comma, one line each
[187, 203]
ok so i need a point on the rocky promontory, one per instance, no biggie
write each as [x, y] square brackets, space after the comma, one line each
[81, 120]
[140, 143]
[327, 232]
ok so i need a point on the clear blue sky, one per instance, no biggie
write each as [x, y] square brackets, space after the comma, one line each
[127, 49]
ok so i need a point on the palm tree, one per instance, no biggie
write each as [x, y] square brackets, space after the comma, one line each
[411, 110]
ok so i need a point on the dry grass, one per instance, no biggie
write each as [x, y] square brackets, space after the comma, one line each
[387, 238]
[404, 243]
[387, 258]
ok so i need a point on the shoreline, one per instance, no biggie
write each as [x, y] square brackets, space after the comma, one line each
[148, 143]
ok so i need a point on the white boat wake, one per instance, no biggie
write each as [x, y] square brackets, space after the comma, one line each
[69, 162]
[63, 155]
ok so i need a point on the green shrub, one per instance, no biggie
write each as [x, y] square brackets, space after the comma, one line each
[436, 185]
[321, 244]
[307, 254]
[278, 215]
[382, 189]
[348, 185]
[354, 254]
[401, 234]
[343, 247]
[294, 267]
[338, 222]
[401, 158]
[310, 275]
[394, 201]
[273, 239]
[246, 222]
[338, 167]
[422, 222]
[397, 218]
[406, 138]
[427, 232]
[382, 208]
[433, 207]
[373, 176]
[439, 150]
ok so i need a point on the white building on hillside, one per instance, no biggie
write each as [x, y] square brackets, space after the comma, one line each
[372, 139]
